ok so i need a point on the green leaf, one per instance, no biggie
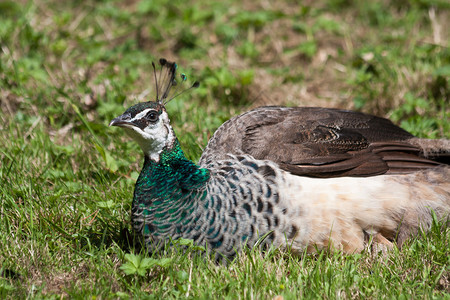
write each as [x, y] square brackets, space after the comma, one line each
[199, 248]
[132, 264]
[106, 204]
[182, 275]
[128, 268]
[164, 262]
[134, 259]
[137, 265]
[184, 242]
[147, 263]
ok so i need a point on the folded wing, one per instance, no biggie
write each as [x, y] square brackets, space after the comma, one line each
[324, 142]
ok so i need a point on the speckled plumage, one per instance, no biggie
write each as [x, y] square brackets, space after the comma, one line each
[226, 204]
[176, 198]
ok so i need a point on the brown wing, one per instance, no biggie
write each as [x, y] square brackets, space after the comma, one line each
[321, 142]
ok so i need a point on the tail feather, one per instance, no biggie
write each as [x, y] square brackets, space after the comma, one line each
[430, 195]
[436, 149]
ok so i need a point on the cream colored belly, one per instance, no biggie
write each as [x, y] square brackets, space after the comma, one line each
[342, 212]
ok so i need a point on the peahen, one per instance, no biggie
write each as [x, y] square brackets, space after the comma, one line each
[232, 200]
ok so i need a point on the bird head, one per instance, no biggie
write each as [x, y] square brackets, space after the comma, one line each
[148, 123]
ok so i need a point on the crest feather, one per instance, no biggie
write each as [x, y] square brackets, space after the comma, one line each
[167, 79]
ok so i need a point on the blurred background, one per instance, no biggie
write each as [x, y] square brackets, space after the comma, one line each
[61, 58]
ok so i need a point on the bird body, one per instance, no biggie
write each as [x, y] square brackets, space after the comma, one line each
[234, 201]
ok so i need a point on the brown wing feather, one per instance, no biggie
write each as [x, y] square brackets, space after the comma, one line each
[321, 142]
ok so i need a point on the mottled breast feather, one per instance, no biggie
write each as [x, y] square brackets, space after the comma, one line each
[236, 206]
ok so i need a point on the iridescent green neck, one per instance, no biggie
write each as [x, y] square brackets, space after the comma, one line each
[167, 194]
[170, 179]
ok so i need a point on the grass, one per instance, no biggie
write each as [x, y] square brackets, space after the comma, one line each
[68, 67]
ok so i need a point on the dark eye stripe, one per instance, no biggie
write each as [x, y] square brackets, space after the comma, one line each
[141, 123]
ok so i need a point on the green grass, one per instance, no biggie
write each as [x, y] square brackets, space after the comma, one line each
[66, 179]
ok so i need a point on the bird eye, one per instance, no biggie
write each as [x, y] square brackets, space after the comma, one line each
[152, 116]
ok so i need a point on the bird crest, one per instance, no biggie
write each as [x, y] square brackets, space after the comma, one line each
[167, 79]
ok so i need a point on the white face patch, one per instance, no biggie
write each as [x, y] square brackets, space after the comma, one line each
[142, 114]
[153, 138]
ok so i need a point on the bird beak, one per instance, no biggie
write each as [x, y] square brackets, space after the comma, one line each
[121, 121]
